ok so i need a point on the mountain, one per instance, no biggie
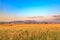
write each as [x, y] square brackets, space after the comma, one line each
[36, 20]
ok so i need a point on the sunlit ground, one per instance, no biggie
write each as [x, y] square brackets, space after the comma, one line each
[29, 31]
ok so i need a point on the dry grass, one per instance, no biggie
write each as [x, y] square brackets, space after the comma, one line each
[29, 31]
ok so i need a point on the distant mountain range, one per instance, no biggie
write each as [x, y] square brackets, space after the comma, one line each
[30, 22]
[36, 20]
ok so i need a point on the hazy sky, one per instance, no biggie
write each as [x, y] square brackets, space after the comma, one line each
[13, 8]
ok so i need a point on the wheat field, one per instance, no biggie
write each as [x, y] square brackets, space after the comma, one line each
[29, 31]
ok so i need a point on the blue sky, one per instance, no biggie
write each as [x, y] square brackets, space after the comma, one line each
[30, 7]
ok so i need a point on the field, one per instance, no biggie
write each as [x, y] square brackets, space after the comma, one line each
[29, 31]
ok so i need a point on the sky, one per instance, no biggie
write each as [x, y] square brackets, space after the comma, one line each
[25, 8]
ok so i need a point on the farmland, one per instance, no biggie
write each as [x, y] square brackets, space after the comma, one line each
[29, 31]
